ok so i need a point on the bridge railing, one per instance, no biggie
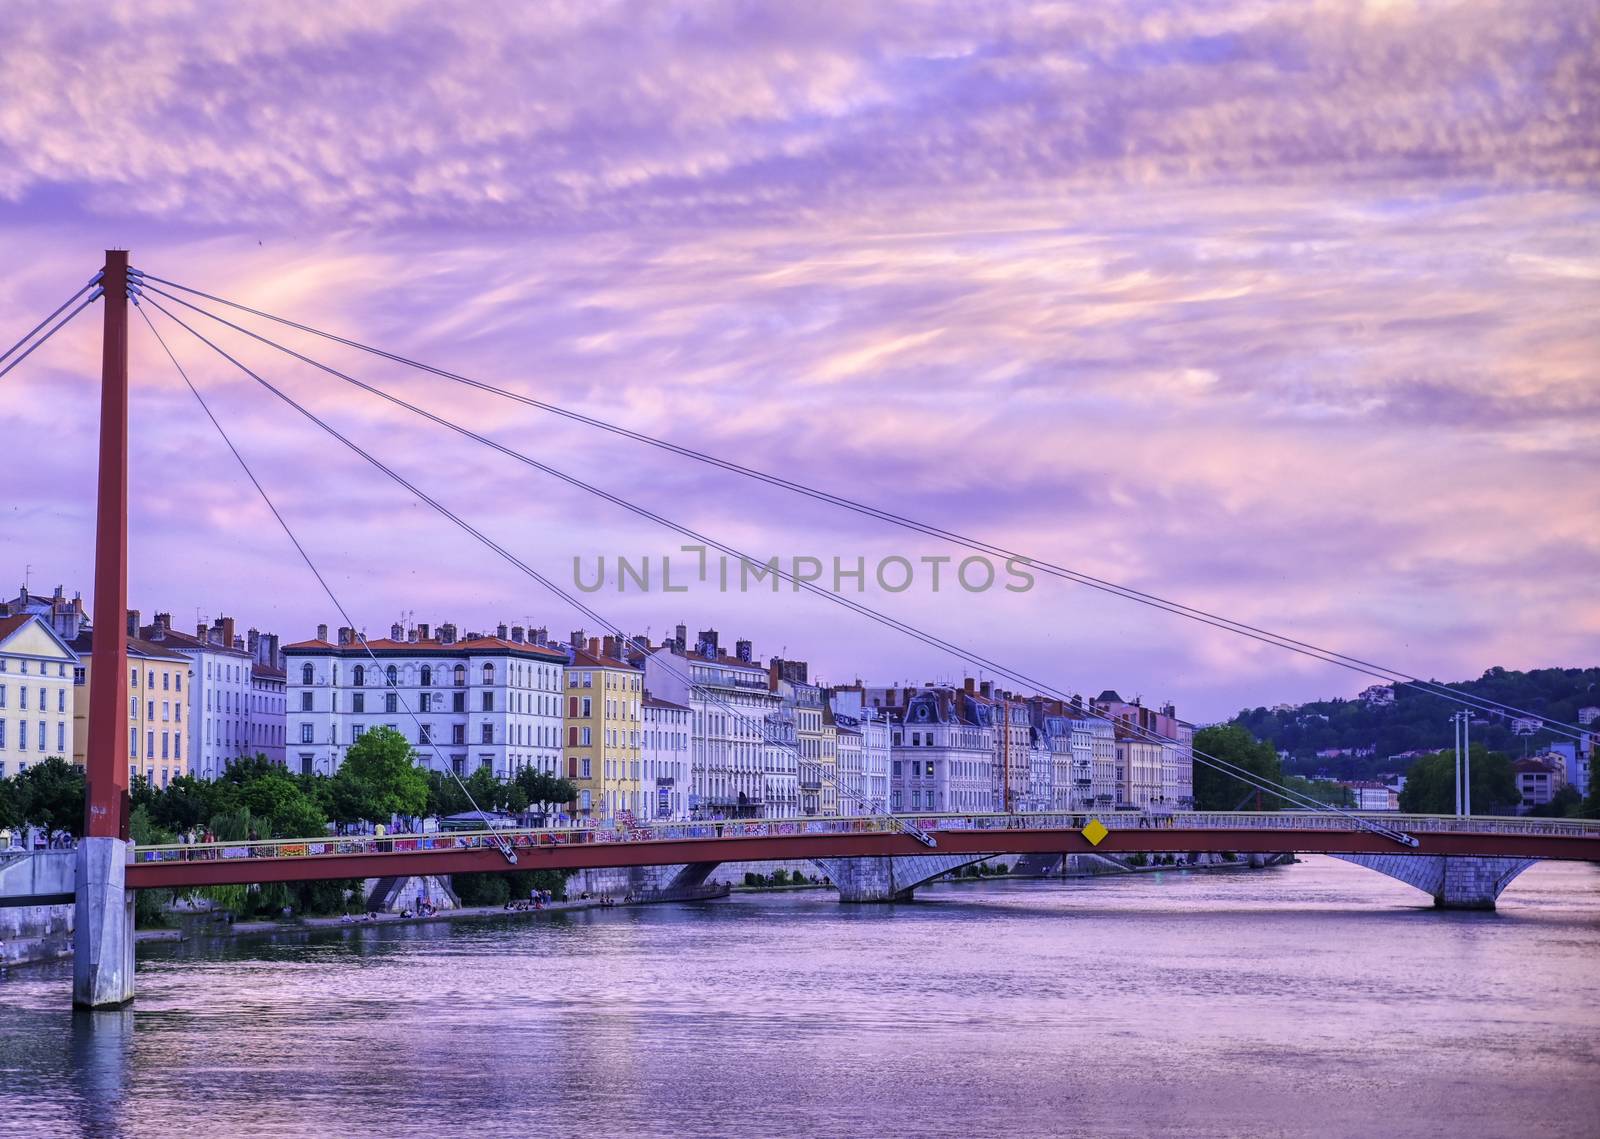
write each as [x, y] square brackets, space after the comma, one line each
[868, 824]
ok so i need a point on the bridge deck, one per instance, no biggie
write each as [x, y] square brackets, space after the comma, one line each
[760, 840]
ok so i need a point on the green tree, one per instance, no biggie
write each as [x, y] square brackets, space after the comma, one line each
[544, 791]
[1431, 784]
[149, 906]
[379, 778]
[1216, 790]
[50, 795]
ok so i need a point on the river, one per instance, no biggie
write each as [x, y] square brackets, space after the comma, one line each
[1318, 999]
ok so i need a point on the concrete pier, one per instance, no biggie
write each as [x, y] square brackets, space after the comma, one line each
[886, 879]
[102, 963]
[1456, 882]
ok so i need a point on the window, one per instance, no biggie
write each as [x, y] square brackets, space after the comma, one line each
[80, 675]
[586, 770]
[458, 701]
[584, 739]
[358, 702]
[2, 733]
[392, 675]
[458, 734]
[305, 674]
[488, 701]
[487, 733]
[305, 764]
[427, 676]
[425, 701]
[357, 731]
[461, 678]
[166, 681]
[359, 677]
[588, 680]
[588, 706]
[61, 700]
[305, 733]
[305, 701]
[391, 702]
[425, 734]
[488, 673]
[24, 694]
[133, 677]
[177, 682]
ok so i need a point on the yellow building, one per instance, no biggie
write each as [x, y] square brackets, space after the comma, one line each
[603, 728]
[158, 694]
[35, 678]
[828, 758]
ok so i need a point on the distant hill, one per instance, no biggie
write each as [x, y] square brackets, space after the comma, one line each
[1376, 730]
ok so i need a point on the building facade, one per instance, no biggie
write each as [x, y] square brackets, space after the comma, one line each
[942, 745]
[665, 748]
[219, 694]
[604, 701]
[742, 764]
[479, 701]
[159, 722]
[37, 669]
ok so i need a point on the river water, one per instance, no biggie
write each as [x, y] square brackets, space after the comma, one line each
[1318, 999]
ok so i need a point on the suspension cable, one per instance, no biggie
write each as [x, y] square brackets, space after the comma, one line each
[501, 842]
[1206, 617]
[62, 323]
[668, 666]
[1259, 782]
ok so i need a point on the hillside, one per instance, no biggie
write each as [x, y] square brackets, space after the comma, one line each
[1376, 730]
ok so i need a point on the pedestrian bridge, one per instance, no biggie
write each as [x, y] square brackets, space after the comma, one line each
[937, 843]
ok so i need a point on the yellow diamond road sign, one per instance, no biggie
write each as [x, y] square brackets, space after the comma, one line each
[1095, 831]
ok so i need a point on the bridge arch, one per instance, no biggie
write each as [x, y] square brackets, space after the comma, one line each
[1456, 882]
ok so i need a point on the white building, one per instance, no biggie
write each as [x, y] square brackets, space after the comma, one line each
[269, 700]
[666, 751]
[36, 677]
[851, 711]
[269, 696]
[942, 747]
[476, 701]
[219, 691]
[740, 765]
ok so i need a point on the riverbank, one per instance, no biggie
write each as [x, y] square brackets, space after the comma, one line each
[202, 929]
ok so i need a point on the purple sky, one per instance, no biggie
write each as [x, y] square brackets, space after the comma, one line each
[1286, 311]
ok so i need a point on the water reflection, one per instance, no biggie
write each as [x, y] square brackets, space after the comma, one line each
[1319, 999]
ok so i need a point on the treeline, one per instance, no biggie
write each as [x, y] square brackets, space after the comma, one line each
[256, 798]
[1420, 721]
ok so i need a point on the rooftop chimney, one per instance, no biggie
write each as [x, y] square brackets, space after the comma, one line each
[683, 636]
[447, 633]
[541, 636]
[592, 647]
[575, 639]
[612, 647]
[516, 634]
[347, 635]
[744, 650]
[502, 631]
[411, 634]
[707, 645]
[397, 632]
[969, 684]
[322, 632]
[422, 632]
[986, 689]
[226, 625]
[133, 618]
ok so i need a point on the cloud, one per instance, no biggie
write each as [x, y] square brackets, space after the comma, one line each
[1281, 311]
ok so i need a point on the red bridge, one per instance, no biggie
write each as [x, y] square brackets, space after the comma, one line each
[1505, 846]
